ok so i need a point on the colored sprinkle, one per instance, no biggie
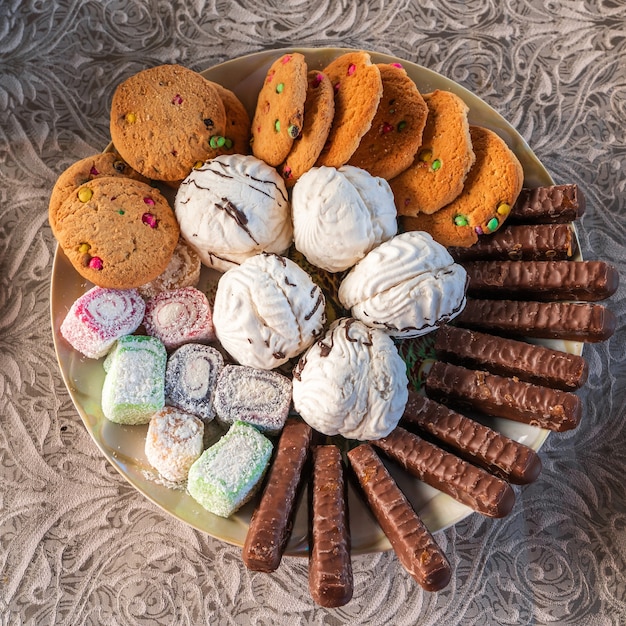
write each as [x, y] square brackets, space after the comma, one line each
[228, 143]
[197, 165]
[396, 65]
[221, 141]
[177, 99]
[286, 59]
[317, 80]
[287, 172]
[270, 75]
[213, 141]
[425, 155]
[277, 126]
[387, 128]
[84, 194]
[436, 165]
[492, 224]
[84, 247]
[119, 166]
[95, 263]
[149, 201]
[293, 131]
[351, 69]
[336, 87]
[149, 220]
[208, 122]
[280, 87]
[479, 230]
[131, 118]
[503, 209]
[121, 211]
[401, 126]
[407, 201]
[93, 171]
[461, 220]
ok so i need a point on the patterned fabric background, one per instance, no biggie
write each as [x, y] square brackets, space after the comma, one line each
[78, 545]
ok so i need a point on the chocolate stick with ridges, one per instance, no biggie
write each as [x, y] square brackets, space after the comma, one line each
[503, 457]
[271, 522]
[413, 544]
[545, 205]
[574, 321]
[589, 281]
[473, 486]
[522, 242]
[500, 396]
[330, 567]
[511, 357]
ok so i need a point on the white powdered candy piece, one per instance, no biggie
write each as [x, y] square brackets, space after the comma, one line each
[233, 207]
[101, 316]
[339, 215]
[267, 311]
[352, 382]
[173, 443]
[134, 383]
[183, 270]
[190, 378]
[248, 394]
[228, 473]
[407, 286]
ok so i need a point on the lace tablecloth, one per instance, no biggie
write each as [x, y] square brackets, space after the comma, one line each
[78, 545]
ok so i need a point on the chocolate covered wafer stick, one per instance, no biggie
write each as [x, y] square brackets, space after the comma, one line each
[272, 520]
[471, 485]
[499, 396]
[503, 457]
[330, 567]
[550, 320]
[589, 281]
[522, 242]
[551, 204]
[510, 357]
[413, 544]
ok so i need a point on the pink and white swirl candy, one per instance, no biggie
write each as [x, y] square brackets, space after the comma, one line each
[179, 316]
[101, 316]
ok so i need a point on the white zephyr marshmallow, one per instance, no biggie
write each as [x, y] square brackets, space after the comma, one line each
[407, 286]
[233, 207]
[267, 311]
[352, 382]
[339, 215]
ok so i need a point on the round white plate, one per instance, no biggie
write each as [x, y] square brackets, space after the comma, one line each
[123, 446]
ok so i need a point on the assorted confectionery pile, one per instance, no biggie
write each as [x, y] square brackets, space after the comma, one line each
[348, 216]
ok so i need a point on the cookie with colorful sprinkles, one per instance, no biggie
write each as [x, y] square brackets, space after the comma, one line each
[236, 138]
[491, 188]
[84, 170]
[438, 172]
[118, 233]
[319, 110]
[388, 147]
[279, 113]
[358, 89]
[165, 119]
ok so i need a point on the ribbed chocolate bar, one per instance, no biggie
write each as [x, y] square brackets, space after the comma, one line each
[589, 281]
[499, 396]
[471, 485]
[330, 567]
[550, 320]
[503, 457]
[414, 545]
[551, 204]
[272, 520]
[510, 357]
[522, 242]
